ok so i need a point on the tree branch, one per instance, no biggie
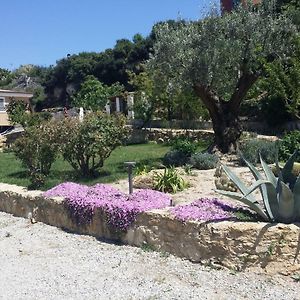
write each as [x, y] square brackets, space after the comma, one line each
[245, 82]
[209, 99]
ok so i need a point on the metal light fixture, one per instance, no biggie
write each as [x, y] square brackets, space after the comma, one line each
[130, 165]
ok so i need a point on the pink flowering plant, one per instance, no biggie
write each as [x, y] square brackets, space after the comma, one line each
[205, 209]
[121, 209]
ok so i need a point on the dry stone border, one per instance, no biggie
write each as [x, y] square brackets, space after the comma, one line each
[235, 245]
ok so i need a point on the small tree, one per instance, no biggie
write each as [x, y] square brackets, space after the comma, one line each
[16, 111]
[87, 144]
[37, 149]
[222, 57]
[93, 95]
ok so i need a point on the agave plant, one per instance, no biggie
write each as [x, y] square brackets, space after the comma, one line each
[280, 195]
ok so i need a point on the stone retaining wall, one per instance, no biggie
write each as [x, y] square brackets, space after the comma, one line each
[160, 135]
[235, 245]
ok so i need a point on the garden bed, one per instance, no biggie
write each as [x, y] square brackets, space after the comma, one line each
[235, 245]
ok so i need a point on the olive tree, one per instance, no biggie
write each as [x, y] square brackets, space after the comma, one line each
[221, 58]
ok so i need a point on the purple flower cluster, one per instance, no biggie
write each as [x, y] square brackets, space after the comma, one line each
[121, 209]
[204, 209]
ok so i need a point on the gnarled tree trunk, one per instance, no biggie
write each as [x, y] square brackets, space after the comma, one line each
[227, 129]
[225, 114]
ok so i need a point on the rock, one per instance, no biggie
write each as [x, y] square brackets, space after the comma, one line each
[160, 141]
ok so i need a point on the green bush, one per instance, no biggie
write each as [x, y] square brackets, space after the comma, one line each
[288, 145]
[180, 153]
[251, 149]
[16, 110]
[204, 161]
[88, 143]
[19, 113]
[175, 158]
[37, 149]
[169, 181]
[185, 146]
[274, 111]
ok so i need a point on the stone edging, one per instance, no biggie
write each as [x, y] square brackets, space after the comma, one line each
[235, 245]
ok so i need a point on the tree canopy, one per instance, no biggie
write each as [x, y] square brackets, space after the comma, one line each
[222, 57]
[93, 95]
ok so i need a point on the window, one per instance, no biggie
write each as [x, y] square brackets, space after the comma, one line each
[2, 104]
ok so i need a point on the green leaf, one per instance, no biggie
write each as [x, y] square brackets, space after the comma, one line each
[271, 201]
[256, 185]
[287, 175]
[253, 205]
[296, 192]
[263, 189]
[286, 203]
[241, 186]
[269, 174]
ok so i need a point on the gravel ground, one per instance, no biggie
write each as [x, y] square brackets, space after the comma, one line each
[43, 262]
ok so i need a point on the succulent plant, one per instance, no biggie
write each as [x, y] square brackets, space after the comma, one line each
[280, 195]
[222, 182]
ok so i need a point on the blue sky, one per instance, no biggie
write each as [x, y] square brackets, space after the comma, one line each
[43, 31]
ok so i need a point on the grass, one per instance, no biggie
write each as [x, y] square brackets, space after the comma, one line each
[11, 170]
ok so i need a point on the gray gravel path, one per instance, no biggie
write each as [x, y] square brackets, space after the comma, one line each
[38, 261]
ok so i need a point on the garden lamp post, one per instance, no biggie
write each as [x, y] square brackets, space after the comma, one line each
[130, 165]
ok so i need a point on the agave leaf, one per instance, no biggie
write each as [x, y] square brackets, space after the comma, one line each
[271, 201]
[287, 175]
[286, 203]
[271, 198]
[279, 172]
[253, 170]
[256, 185]
[253, 205]
[269, 174]
[241, 186]
[263, 189]
[296, 192]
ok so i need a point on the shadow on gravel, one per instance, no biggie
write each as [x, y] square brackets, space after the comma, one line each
[103, 240]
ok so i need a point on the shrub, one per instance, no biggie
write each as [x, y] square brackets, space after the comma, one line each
[88, 143]
[18, 113]
[274, 111]
[16, 110]
[204, 161]
[169, 181]
[289, 144]
[121, 210]
[185, 146]
[175, 158]
[251, 149]
[181, 150]
[37, 149]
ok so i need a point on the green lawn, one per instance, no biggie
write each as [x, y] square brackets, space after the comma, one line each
[11, 170]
